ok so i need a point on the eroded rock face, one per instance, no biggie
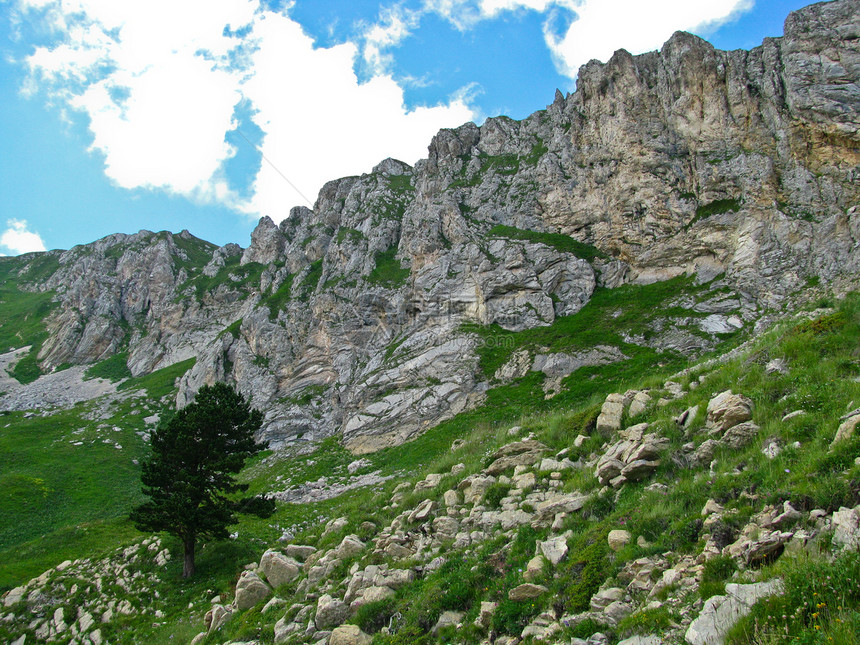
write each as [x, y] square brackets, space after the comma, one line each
[348, 317]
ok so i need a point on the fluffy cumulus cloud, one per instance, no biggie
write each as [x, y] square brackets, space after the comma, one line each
[162, 82]
[17, 238]
[603, 26]
[597, 28]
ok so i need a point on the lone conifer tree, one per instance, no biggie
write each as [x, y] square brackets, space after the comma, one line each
[189, 475]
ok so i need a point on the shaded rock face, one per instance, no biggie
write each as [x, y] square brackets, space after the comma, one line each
[349, 318]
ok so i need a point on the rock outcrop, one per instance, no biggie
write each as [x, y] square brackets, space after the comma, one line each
[353, 317]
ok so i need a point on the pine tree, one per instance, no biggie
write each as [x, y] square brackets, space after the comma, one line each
[189, 476]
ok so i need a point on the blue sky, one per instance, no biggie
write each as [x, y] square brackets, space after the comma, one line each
[171, 114]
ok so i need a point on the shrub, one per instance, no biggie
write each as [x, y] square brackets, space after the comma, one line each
[375, 615]
[495, 494]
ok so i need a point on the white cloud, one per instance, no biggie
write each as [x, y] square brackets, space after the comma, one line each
[603, 26]
[319, 122]
[599, 27]
[17, 239]
[160, 83]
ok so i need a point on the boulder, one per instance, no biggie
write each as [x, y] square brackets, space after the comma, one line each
[720, 613]
[349, 635]
[278, 568]
[609, 419]
[740, 435]
[447, 619]
[534, 569]
[639, 403]
[250, 590]
[555, 549]
[846, 528]
[642, 640]
[350, 545]
[422, 511]
[299, 551]
[846, 429]
[526, 591]
[485, 615]
[727, 409]
[618, 539]
[452, 498]
[605, 597]
[520, 453]
[331, 612]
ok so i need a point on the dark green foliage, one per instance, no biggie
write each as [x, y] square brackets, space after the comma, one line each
[601, 321]
[559, 242]
[276, 301]
[113, 369]
[583, 572]
[27, 369]
[234, 328]
[190, 474]
[375, 615]
[822, 325]
[231, 276]
[22, 313]
[495, 494]
[538, 150]
[311, 280]
[511, 617]
[198, 252]
[716, 207]
[647, 621]
[353, 234]
[388, 271]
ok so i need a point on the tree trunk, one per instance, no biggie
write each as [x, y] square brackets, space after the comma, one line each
[188, 565]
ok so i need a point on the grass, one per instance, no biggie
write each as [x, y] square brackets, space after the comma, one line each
[823, 359]
[388, 271]
[279, 298]
[716, 207]
[49, 485]
[60, 500]
[819, 604]
[113, 369]
[160, 383]
[22, 312]
[631, 309]
[559, 242]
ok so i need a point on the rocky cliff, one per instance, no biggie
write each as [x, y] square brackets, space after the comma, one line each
[359, 317]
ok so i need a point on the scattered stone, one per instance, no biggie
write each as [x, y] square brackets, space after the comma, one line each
[534, 569]
[728, 409]
[609, 420]
[526, 591]
[447, 619]
[349, 635]
[639, 403]
[720, 613]
[555, 549]
[250, 590]
[776, 366]
[278, 568]
[846, 528]
[331, 612]
[618, 539]
[846, 429]
[485, 615]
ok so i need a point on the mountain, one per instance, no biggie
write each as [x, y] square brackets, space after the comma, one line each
[738, 168]
[588, 375]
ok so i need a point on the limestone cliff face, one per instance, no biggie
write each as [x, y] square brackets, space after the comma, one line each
[349, 317]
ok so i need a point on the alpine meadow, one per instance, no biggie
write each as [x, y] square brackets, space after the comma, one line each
[591, 377]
